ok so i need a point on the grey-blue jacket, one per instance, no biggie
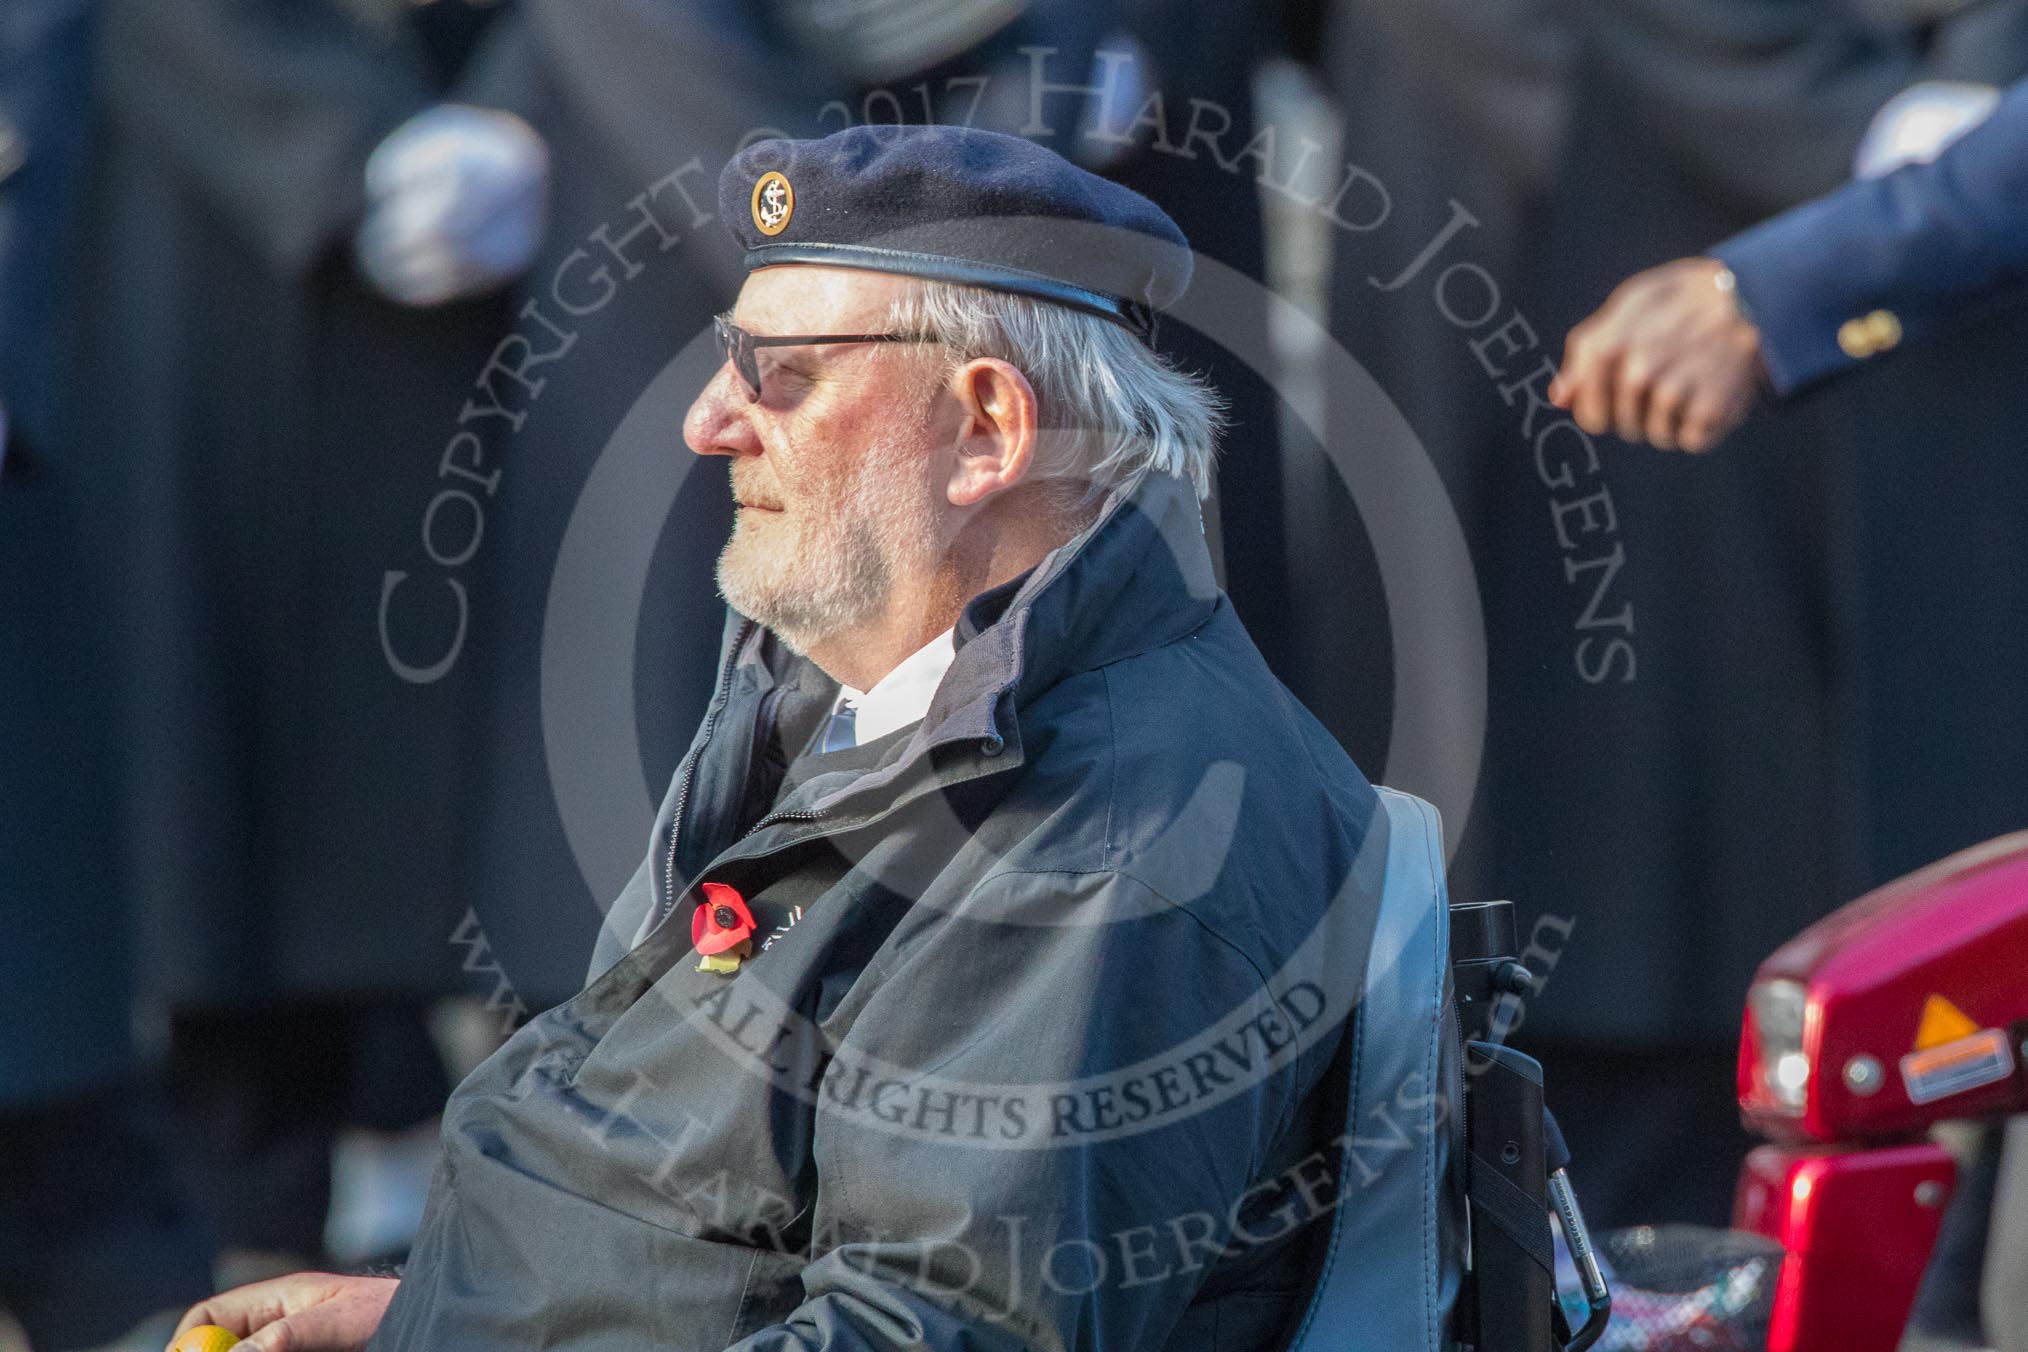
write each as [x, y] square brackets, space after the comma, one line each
[1033, 1048]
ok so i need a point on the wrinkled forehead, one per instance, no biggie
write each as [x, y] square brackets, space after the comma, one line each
[816, 298]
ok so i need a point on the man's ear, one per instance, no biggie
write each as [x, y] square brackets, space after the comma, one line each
[996, 432]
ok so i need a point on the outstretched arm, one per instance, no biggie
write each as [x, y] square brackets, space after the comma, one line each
[1676, 355]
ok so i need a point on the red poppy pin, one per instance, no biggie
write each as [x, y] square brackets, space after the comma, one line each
[722, 929]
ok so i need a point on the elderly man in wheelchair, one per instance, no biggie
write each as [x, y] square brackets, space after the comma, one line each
[1015, 963]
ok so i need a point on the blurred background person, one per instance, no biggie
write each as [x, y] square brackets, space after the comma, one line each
[1932, 238]
[1687, 845]
[1683, 748]
[262, 420]
[93, 1235]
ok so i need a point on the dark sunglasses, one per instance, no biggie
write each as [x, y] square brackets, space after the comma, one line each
[741, 347]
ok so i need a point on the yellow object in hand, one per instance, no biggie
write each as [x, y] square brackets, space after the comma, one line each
[205, 1338]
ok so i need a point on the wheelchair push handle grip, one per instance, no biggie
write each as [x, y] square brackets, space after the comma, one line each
[1483, 966]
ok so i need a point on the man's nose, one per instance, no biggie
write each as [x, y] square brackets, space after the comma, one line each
[717, 423]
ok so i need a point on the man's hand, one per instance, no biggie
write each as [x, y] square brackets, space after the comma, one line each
[1668, 359]
[308, 1312]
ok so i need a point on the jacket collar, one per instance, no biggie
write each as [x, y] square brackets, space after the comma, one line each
[1138, 577]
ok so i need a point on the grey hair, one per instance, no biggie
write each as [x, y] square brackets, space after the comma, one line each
[1114, 406]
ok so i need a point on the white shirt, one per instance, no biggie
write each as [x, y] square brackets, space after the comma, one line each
[903, 695]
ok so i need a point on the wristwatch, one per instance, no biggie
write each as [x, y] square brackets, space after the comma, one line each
[1729, 284]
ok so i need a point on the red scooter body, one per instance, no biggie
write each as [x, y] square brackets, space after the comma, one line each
[1906, 1008]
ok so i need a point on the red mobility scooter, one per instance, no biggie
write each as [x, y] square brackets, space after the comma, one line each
[1906, 1008]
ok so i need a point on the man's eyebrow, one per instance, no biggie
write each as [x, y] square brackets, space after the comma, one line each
[732, 317]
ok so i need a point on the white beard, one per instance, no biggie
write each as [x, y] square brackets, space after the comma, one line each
[837, 568]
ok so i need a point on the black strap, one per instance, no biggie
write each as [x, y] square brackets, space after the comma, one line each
[1517, 1215]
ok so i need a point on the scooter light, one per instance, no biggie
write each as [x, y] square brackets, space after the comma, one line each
[1777, 1009]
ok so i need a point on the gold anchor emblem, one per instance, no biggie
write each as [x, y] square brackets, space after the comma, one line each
[773, 203]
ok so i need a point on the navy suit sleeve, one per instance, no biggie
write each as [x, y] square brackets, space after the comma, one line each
[1922, 244]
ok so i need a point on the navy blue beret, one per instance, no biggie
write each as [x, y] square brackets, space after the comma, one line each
[957, 205]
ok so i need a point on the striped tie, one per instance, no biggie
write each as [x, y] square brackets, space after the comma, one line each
[838, 733]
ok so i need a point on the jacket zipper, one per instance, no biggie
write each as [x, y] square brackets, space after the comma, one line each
[800, 815]
[804, 815]
[690, 768]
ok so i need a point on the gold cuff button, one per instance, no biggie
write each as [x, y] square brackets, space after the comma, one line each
[1870, 334]
[1886, 329]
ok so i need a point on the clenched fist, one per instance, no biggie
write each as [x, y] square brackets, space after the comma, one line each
[308, 1312]
[1668, 359]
